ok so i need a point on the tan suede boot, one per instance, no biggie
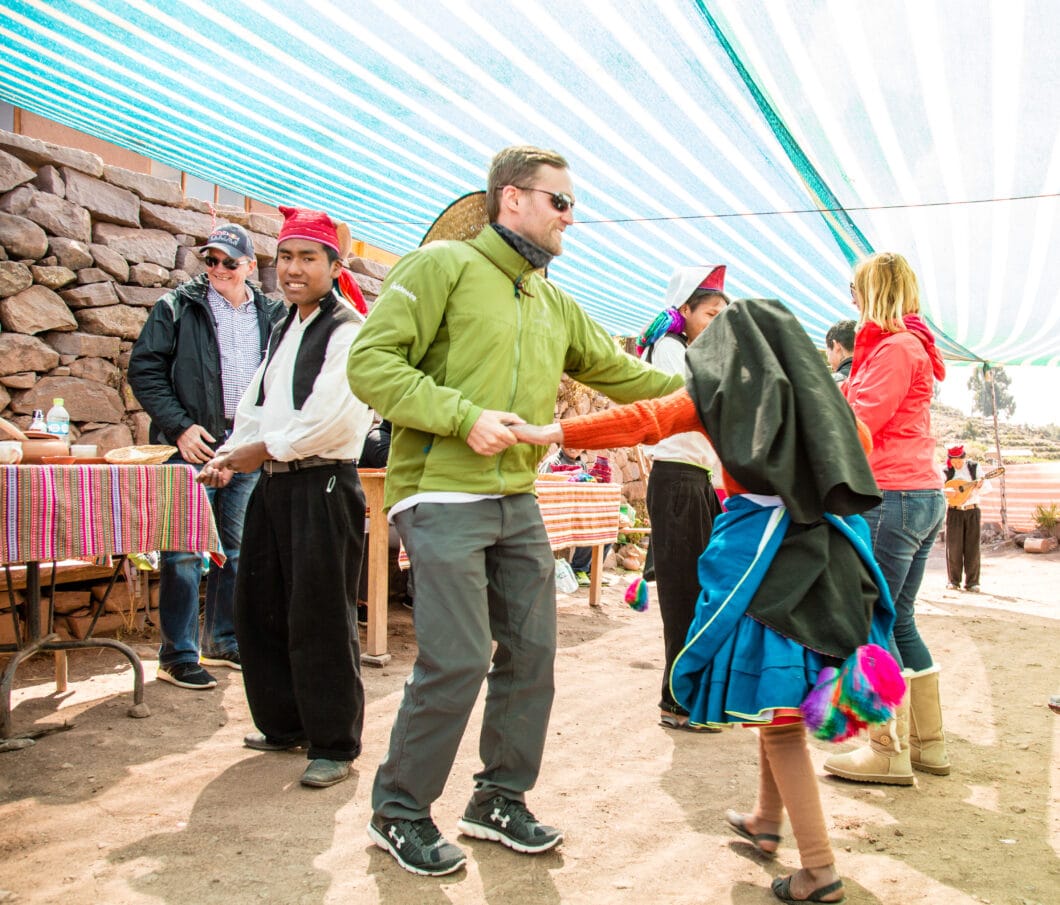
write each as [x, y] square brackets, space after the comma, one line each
[886, 757]
[927, 742]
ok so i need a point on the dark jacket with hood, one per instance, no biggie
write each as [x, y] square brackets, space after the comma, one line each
[175, 367]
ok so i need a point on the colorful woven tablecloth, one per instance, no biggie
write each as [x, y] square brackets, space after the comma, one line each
[575, 513]
[579, 513]
[56, 512]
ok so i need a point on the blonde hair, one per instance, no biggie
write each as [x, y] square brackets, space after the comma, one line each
[887, 288]
[514, 166]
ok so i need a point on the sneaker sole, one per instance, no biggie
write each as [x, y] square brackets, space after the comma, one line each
[210, 661]
[382, 842]
[166, 677]
[481, 831]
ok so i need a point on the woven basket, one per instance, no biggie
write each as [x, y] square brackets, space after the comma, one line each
[465, 218]
[154, 454]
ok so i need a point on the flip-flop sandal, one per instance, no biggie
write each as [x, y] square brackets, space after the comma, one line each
[782, 890]
[735, 823]
[676, 721]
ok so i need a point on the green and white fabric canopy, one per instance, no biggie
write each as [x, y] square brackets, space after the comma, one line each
[783, 138]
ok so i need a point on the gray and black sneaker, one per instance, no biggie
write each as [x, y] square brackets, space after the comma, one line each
[510, 823]
[416, 845]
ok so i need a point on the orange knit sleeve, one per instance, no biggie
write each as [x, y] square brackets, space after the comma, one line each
[647, 421]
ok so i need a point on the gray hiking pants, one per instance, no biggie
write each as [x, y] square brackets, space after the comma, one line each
[484, 573]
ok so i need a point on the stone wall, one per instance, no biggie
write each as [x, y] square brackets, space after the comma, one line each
[86, 250]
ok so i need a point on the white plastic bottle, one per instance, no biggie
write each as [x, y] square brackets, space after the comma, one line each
[58, 420]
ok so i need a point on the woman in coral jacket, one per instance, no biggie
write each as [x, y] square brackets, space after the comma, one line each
[896, 364]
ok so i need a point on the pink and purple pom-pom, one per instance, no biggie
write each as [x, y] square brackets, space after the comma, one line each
[637, 595]
[872, 684]
[669, 320]
[865, 690]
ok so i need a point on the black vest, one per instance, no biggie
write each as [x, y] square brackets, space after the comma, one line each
[950, 471]
[313, 349]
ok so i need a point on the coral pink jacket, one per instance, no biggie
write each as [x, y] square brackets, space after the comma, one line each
[891, 392]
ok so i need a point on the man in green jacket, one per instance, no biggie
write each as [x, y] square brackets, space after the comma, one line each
[465, 339]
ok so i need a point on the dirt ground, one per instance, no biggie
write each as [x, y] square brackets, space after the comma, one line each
[172, 809]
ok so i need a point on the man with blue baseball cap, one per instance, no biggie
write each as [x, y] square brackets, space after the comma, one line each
[197, 353]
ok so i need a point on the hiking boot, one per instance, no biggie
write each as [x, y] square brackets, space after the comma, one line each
[508, 822]
[323, 772]
[259, 741]
[362, 614]
[416, 845]
[186, 675]
[228, 658]
[583, 579]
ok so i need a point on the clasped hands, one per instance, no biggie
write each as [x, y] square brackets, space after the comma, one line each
[495, 431]
[246, 458]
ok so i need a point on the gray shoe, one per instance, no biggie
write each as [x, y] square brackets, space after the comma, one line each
[322, 772]
[508, 822]
[416, 845]
[259, 741]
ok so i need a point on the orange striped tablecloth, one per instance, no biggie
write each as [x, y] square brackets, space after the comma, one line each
[56, 512]
[579, 513]
[575, 513]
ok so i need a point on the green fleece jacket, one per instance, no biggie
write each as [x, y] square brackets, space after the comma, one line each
[460, 327]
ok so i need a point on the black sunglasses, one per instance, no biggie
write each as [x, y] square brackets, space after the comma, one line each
[561, 201]
[229, 263]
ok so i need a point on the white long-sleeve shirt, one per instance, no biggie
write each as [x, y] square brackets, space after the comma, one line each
[690, 448]
[332, 422]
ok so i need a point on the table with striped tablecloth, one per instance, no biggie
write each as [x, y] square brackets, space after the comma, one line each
[578, 513]
[57, 512]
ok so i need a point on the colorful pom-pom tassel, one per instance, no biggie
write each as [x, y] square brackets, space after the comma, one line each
[637, 595]
[820, 702]
[669, 320]
[865, 690]
[872, 684]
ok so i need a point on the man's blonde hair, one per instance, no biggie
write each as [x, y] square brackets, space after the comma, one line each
[514, 166]
[888, 290]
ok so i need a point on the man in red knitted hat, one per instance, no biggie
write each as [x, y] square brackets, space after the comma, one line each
[467, 338]
[296, 596]
[964, 487]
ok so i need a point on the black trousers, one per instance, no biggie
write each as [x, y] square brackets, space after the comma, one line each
[963, 528]
[296, 608]
[682, 506]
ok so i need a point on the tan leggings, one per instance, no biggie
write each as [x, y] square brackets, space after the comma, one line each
[786, 780]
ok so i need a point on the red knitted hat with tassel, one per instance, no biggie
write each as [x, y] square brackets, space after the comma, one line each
[316, 226]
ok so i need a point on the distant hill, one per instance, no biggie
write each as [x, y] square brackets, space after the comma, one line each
[1019, 442]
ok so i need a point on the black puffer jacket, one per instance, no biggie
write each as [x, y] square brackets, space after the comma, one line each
[175, 367]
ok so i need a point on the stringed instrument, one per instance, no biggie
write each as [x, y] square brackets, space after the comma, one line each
[958, 491]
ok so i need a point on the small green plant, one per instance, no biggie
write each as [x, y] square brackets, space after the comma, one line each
[1047, 517]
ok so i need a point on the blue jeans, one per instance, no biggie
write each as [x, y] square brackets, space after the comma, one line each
[180, 574]
[904, 527]
[581, 558]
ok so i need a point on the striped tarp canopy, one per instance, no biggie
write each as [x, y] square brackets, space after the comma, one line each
[784, 138]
